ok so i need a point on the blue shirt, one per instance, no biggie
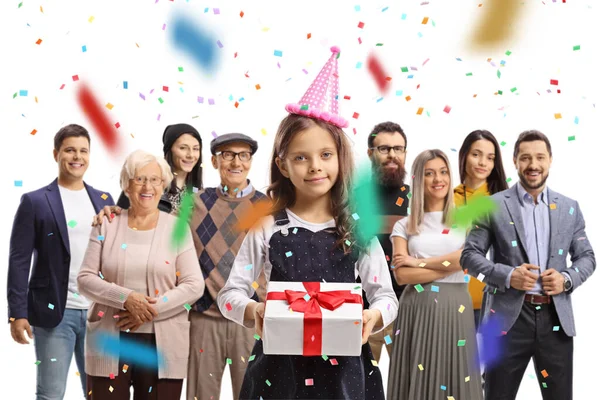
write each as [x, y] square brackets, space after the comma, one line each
[240, 193]
[536, 223]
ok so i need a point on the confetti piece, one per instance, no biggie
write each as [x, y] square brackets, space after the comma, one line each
[461, 343]
[571, 138]
[365, 200]
[268, 383]
[278, 53]
[188, 37]
[557, 116]
[480, 277]
[435, 288]
[514, 243]
[544, 373]
[560, 252]
[228, 307]
[577, 47]
[388, 339]
[553, 206]
[399, 201]
[124, 246]
[181, 229]
[419, 288]
[494, 27]
[324, 357]
[72, 223]
[447, 109]
[333, 361]
[249, 220]
[19, 183]
[186, 306]
[101, 314]
[93, 110]
[555, 328]
[361, 25]
[251, 358]
[467, 379]
[308, 382]
[421, 367]
[255, 285]
[374, 363]
[443, 387]
[446, 263]
[288, 253]
[110, 389]
[461, 309]
[478, 207]
[229, 361]
[51, 306]
[378, 73]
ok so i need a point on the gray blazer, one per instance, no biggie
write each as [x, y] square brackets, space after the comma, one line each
[498, 231]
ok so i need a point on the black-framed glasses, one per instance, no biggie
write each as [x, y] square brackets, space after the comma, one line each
[386, 149]
[141, 180]
[230, 155]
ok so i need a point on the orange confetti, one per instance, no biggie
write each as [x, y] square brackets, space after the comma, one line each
[544, 373]
[425, 20]
[39, 41]
[399, 202]
[33, 132]
[236, 104]
[308, 36]
[557, 116]
[177, 273]
[156, 292]
[241, 14]
[36, 99]
[408, 98]
[420, 111]
[259, 210]
[257, 87]
[41, 9]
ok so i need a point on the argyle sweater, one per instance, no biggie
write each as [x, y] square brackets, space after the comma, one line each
[217, 241]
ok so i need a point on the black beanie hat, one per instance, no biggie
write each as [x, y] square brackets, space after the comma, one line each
[172, 132]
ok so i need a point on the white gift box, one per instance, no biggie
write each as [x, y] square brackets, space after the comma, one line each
[283, 330]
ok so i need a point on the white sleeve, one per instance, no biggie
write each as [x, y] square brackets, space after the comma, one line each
[400, 229]
[377, 283]
[247, 266]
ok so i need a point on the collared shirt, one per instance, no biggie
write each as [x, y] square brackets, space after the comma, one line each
[536, 222]
[241, 193]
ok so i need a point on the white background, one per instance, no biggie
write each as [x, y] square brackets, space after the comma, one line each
[541, 45]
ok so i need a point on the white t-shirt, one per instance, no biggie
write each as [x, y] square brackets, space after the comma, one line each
[235, 295]
[431, 242]
[79, 212]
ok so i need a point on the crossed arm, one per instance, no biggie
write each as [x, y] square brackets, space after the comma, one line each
[434, 269]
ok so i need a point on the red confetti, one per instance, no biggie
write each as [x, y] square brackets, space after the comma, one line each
[554, 81]
[33, 132]
[165, 88]
[447, 109]
[236, 104]
[346, 97]
[377, 72]
[111, 376]
[117, 125]
[361, 25]
[445, 231]
[62, 86]
[228, 307]
[359, 41]
[355, 115]
[95, 112]
[235, 55]
[241, 14]
[75, 78]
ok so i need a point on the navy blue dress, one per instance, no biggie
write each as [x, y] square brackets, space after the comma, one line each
[315, 258]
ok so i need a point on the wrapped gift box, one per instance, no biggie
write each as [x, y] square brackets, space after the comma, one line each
[313, 319]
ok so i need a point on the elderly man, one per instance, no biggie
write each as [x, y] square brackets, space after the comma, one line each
[216, 341]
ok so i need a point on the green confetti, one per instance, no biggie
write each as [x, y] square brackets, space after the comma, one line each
[404, 69]
[180, 69]
[229, 361]
[20, 4]
[575, 48]
[348, 243]
[508, 180]
[304, 107]
[38, 362]
[251, 358]
[500, 92]
[256, 336]
[503, 143]
[72, 223]
[161, 100]
[476, 208]
[419, 288]
[379, 44]
[513, 89]
[268, 383]
[508, 52]
[187, 306]
[544, 385]
[461, 343]
[365, 201]
[15, 95]
[571, 138]
[325, 357]
[469, 74]
[181, 229]
[498, 74]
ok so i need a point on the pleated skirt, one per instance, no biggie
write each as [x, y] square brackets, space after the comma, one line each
[435, 352]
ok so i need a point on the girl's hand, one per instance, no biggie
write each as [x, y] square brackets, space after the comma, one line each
[259, 318]
[370, 319]
[405, 261]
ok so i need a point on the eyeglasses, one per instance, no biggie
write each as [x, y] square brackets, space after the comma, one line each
[230, 155]
[386, 149]
[141, 180]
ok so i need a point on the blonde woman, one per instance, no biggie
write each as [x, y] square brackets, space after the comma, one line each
[435, 351]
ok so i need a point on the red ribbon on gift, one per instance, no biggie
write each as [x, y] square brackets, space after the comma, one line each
[313, 318]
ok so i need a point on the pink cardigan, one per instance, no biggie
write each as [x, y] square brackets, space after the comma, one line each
[172, 329]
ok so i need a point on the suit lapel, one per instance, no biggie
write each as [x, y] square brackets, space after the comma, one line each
[56, 205]
[555, 213]
[512, 204]
[94, 198]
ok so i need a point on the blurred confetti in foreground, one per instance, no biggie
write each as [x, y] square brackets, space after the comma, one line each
[366, 205]
[187, 36]
[497, 24]
[94, 110]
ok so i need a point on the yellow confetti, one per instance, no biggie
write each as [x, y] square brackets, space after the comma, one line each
[91, 19]
[109, 106]
[104, 196]
[450, 398]
[553, 206]
[374, 363]
[496, 25]
[422, 264]
[255, 285]
[265, 29]
[446, 263]
[557, 116]
[467, 379]
[36, 100]
[243, 360]
[421, 367]
[263, 131]
[111, 389]
[77, 373]
[461, 309]
[41, 9]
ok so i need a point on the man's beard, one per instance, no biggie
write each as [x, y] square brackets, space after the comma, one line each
[391, 178]
[526, 185]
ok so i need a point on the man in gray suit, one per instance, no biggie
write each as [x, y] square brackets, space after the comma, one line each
[529, 282]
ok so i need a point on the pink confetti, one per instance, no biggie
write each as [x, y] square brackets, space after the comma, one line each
[447, 109]
[359, 41]
[142, 96]
[101, 314]
[305, 71]
[228, 305]
[211, 102]
[75, 78]
[425, 62]
[158, 118]
[308, 382]
[375, 279]
[333, 361]
[215, 136]
[200, 100]
[216, 11]
[164, 26]
[62, 86]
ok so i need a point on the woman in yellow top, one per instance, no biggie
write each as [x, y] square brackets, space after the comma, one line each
[481, 173]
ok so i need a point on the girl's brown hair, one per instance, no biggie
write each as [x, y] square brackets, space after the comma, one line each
[283, 193]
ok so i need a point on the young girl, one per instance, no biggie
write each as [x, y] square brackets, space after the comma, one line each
[435, 354]
[310, 173]
[481, 174]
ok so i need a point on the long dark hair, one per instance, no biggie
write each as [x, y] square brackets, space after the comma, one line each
[193, 179]
[283, 193]
[497, 179]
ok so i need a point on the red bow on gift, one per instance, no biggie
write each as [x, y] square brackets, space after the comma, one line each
[313, 318]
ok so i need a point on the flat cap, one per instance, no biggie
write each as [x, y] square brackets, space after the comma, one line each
[231, 138]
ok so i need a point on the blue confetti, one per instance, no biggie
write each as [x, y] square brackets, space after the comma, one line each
[560, 252]
[357, 8]
[84, 48]
[358, 64]
[288, 253]
[388, 339]
[125, 85]
[399, 92]
[514, 243]
[577, 120]
[379, 99]
[248, 267]
[100, 237]
[384, 9]
[127, 349]
[435, 288]
[51, 306]
[278, 53]
[571, 210]
[23, 93]
[187, 36]
[403, 17]
[443, 387]
[124, 246]
[19, 183]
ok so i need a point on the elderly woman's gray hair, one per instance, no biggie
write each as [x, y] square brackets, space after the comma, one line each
[139, 159]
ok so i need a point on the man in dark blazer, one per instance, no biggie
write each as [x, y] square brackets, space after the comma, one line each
[531, 284]
[52, 224]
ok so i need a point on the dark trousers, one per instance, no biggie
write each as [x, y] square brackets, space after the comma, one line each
[145, 382]
[532, 335]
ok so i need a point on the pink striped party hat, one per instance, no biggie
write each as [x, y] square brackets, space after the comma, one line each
[320, 100]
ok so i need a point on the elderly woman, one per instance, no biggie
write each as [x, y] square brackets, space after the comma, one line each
[141, 284]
